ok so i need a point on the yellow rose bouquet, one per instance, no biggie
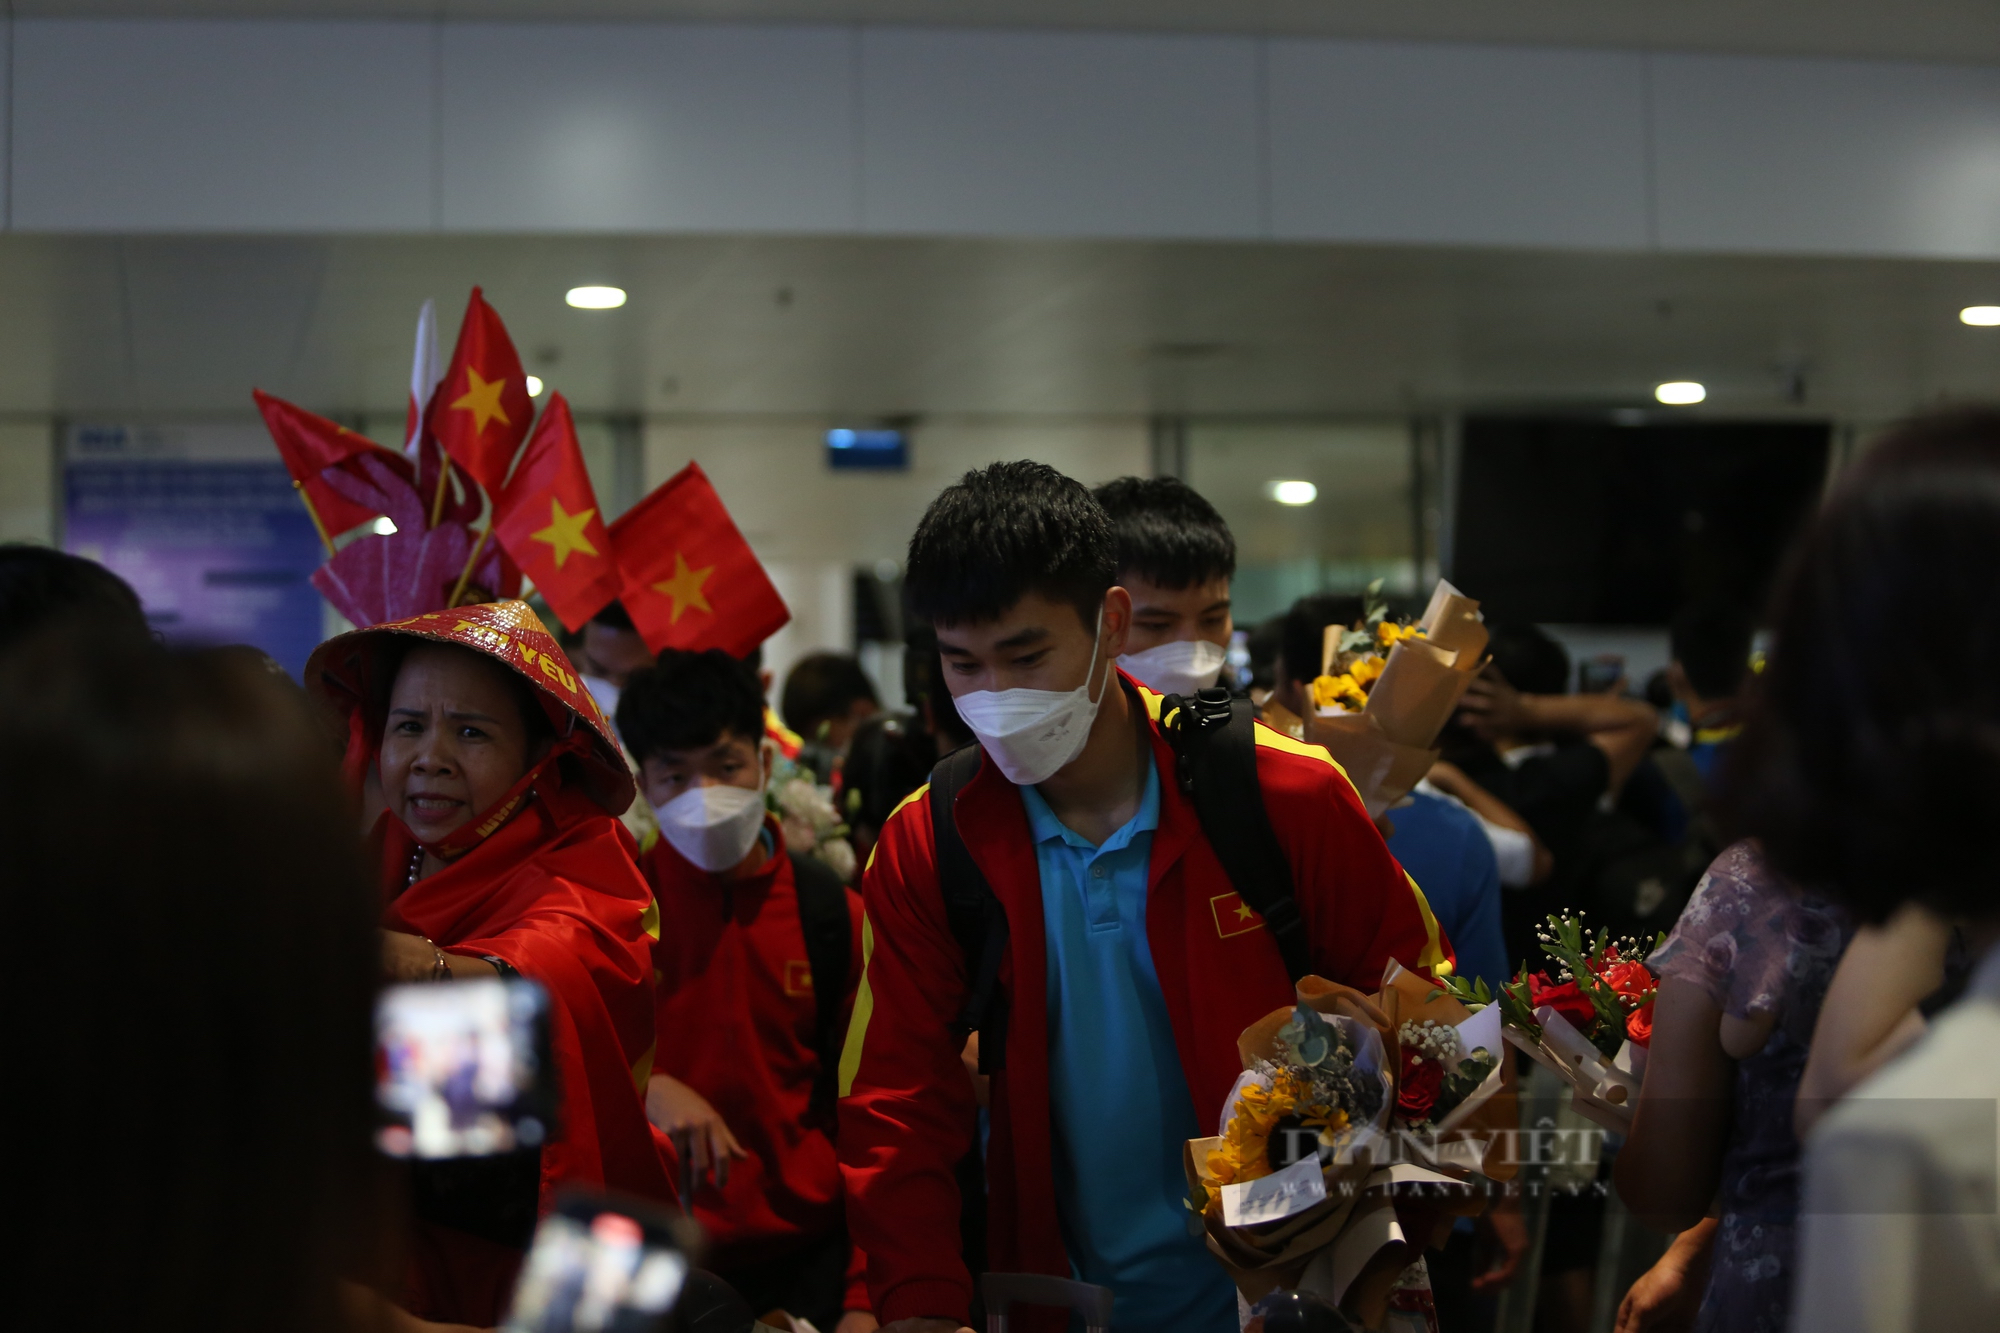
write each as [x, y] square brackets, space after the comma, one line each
[1307, 1186]
[1386, 689]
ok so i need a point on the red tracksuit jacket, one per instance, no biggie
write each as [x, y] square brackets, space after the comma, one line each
[908, 1114]
[736, 1023]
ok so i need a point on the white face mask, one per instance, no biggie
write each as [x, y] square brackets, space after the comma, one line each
[1180, 667]
[713, 826]
[1033, 733]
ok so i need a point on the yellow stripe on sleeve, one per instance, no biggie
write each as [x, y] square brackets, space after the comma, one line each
[643, 1069]
[864, 1009]
[1433, 955]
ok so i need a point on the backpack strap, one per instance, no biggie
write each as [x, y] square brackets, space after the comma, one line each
[977, 920]
[829, 932]
[1215, 753]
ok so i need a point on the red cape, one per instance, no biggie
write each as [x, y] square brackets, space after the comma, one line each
[556, 895]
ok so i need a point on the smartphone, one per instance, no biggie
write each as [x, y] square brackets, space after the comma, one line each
[602, 1264]
[463, 1069]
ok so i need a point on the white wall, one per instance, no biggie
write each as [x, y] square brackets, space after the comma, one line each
[812, 526]
[272, 125]
[28, 496]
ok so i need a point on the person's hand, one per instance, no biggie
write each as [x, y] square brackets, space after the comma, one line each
[1491, 707]
[858, 1321]
[926, 1326]
[1663, 1300]
[696, 1127]
[407, 957]
[1508, 1231]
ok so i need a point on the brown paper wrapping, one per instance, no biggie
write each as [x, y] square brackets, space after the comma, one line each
[1451, 621]
[1407, 997]
[1386, 748]
[1382, 771]
[1273, 1256]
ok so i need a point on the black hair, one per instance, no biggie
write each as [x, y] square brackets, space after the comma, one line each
[1263, 644]
[1302, 639]
[1871, 771]
[890, 757]
[235, 860]
[754, 659]
[1167, 534]
[1531, 661]
[821, 687]
[613, 615]
[1003, 531]
[687, 701]
[40, 587]
[1711, 641]
[923, 686]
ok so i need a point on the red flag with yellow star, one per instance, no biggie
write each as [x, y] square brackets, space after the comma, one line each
[549, 521]
[481, 410]
[691, 581]
[312, 446]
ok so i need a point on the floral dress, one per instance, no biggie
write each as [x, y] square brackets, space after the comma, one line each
[1757, 946]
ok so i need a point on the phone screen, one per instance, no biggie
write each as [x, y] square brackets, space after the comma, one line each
[463, 1069]
[600, 1264]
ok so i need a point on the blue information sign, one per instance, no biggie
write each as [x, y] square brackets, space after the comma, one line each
[205, 526]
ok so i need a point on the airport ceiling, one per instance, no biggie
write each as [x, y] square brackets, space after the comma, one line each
[865, 328]
[1947, 30]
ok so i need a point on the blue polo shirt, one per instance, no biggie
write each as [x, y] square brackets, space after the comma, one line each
[1117, 1095]
[1447, 853]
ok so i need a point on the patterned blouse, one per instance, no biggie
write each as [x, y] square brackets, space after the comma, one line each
[1757, 946]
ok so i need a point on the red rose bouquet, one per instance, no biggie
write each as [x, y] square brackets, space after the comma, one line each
[1592, 1021]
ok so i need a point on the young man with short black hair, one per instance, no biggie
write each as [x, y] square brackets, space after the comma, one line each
[1131, 962]
[743, 1070]
[1176, 557]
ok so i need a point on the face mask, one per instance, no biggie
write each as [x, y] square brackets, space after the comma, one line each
[1032, 733]
[1180, 667]
[714, 827]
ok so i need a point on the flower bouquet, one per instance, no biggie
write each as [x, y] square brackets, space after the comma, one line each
[1300, 1188]
[1386, 689]
[1454, 1100]
[1592, 1022]
[805, 810]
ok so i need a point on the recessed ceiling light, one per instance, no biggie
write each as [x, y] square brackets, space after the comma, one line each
[1980, 316]
[1679, 393]
[1294, 492]
[385, 526]
[596, 298]
[534, 386]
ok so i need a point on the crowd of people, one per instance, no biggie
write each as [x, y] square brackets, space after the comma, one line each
[883, 999]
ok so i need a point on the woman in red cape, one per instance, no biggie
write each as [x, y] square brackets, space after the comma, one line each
[531, 874]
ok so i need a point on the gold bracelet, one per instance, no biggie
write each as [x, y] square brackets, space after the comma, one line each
[441, 969]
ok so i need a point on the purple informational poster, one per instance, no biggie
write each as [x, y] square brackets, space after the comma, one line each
[203, 522]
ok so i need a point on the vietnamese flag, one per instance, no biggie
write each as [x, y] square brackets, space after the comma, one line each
[548, 520]
[691, 581]
[481, 410]
[311, 446]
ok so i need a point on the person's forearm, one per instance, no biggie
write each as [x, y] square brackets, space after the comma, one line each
[1453, 782]
[1870, 1010]
[1623, 728]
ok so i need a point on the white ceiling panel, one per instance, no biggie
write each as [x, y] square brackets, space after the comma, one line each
[664, 127]
[859, 328]
[1039, 134]
[217, 125]
[1948, 30]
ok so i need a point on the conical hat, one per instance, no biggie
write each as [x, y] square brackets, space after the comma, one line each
[342, 673]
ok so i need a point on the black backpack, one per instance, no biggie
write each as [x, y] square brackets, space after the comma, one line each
[1215, 762]
[829, 933]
